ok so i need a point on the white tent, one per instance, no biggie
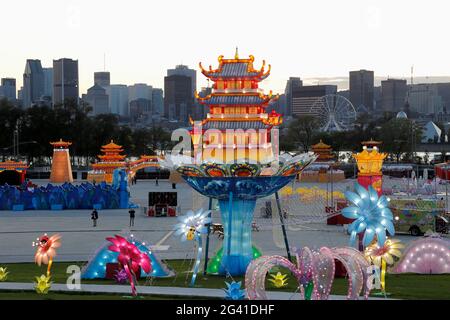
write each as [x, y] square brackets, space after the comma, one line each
[430, 132]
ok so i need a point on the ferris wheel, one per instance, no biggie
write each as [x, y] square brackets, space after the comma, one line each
[334, 113]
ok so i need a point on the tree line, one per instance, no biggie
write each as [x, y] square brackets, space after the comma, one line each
[39, 125]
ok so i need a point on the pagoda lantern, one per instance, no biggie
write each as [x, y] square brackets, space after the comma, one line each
[237, 113]
[370, 163]
[324, 151]
[61, 166]
[110, 160]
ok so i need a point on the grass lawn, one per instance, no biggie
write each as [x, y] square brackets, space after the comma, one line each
[405, 286]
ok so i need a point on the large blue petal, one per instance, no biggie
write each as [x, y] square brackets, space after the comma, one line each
[364, 195]
[381, 234]
[373, 195]
[353, 239]
[383, 202]
[351, 212]
[386, 213]
[368, 235]
[353, 198]
[389, 226]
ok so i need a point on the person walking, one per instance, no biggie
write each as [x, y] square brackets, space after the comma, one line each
[132, 215]
[94, 217]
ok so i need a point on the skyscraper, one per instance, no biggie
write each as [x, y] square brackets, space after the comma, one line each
[65, 80]
[362, 89]
[102, 78]
[48, 82]
[292, 83]
[8, 89]
[304, 97]
[182, 70]
[139, 91]
[393, 95]
[158, 101]
[178, 97]
[33, 82]
[97, 98]
[118, 99]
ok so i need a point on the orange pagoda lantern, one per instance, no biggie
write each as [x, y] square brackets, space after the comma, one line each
[370, 163]
[61, 166]
[324, 152]
[236, 112]
[110, 160]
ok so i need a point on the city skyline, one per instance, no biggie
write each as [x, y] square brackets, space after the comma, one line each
[306, 39]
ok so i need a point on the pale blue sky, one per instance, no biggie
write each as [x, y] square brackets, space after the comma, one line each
[142, 39]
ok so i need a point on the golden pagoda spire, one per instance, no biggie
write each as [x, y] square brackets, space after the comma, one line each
[236, 55]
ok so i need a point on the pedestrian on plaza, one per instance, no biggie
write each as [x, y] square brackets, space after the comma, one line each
[132, 215]
[94, 217]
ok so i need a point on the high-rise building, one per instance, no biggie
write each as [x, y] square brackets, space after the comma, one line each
[48, 82]
[425, 99]
[178, 97]
[292, 83]
[362, 89]
[118, 99]
[304, 97]
[97, 98]
[65, 80]
[158, 101]
[140, 110]
[139, 91]
[393, 95]
[102, 78]
[33, 82]
[8, 89]
[182, 70]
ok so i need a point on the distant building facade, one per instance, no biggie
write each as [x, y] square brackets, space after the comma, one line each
[158, 101]
[33, 82]
[292, 83]
[48, 82]
[8, 89]
[304, 97]
[178, 97]
[97, 98]
[65, 80]
[102, 78]
[140, 110]
[182, 70]
[425, 99]
[393, 95]
[362, 89]
[118, 99]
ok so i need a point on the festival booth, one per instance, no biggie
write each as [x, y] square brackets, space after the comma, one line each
[443, 170]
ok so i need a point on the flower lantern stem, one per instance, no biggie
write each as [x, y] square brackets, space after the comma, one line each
[50, 262]
[383, 275]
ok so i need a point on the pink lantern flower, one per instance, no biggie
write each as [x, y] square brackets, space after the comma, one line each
[130, 258]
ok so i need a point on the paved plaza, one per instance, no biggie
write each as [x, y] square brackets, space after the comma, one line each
[80, 240]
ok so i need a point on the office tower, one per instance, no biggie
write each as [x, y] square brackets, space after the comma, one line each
[139, 91]
[33, 82]
[97, 98]
[178, 97]
[425, 99]
[158, 101]
[362, 89]
[65, 81]
[292, 83]
[393, 95]
[304, 97]
[102, 78]
[182, 70]
[118, 99]
[140, 110]
[8, 89]
[48, 82]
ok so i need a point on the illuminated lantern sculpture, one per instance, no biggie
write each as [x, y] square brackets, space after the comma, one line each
[429, 255]
[46, 250]
[370, 163]
[110, 160]
[61, 166]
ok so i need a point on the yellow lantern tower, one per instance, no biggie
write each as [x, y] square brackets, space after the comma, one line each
[370, 163]
[236, 103]
[110, 160]
[61, 166]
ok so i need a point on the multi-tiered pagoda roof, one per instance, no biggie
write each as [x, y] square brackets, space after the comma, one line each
[236, 102]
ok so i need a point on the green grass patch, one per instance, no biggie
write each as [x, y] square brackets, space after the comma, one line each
[404, 286]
